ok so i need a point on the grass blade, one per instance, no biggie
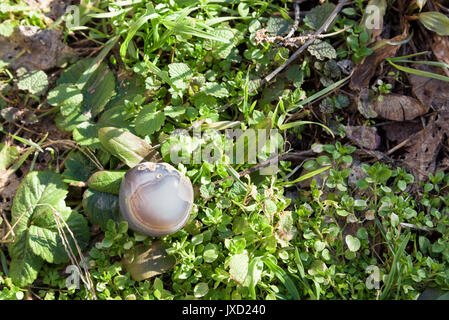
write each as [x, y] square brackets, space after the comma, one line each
[392, 273]
[300, 123]
[304, 177]
[283, 278]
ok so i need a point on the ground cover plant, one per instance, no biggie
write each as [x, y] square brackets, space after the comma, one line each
[355, 94]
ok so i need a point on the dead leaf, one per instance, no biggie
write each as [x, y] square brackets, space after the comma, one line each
[431, 92]
[399, 131]
[363, 136]
[398, 107]
[9, 183]
[365, 71]
[423, 148]
[42, 49]
[440, 48]
[144, 262]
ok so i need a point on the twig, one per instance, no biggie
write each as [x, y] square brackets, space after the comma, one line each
[400, 145]
[296, 23]
[322, 29]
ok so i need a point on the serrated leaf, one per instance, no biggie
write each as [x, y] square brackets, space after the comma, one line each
[238, 267]
[221, 49]
[126, 146]
[149, 121]
[316, 17]
[46, 242]
[35, 82]
[86, 134]
[435, 21]
[215, 89]
[180, 74]
[99, 89]
[70, 122]
[321, 50]
[100, 207]
[25, 265]
[35, 193]
[39, 197]
[78, 167]
[106, 181]
[68, 97]
[277, 26]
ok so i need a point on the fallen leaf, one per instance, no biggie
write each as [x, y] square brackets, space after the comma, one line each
[440, 48]
[398, 107]
[399, 131]
[431, 92]
[9, 183]
[363, 136]
[423, 148]
[144, 262]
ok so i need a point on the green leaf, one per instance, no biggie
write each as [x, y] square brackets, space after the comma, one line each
[180, 74]
[220, 49]
[99, 89]
[78, 167]
[106, 181]
[238, 267]
[353, 243]
[35, 82]
[254, 275]
[322, 49]
[277, 26]
[100, 207]
[39, 198]
[126, 146]
[200, 290]
[316, 17]
[68, 97]
[214, 89]
[243, 9]
[86, 134]
[149, 121]
[25, 265]
[435, 21]
[210, 253]
[46, 242]
[283, 278]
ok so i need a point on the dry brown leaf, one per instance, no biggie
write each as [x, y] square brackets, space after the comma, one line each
[431, 92]
[398, 107]
[364, 137]
[440, 48]
[9, 183]
[424, 146]
[399, 131]
[365, 71]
